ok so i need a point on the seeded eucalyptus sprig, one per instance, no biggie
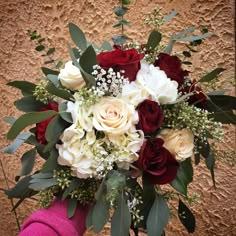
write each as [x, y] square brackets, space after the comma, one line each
[120, 11]
[47, 52]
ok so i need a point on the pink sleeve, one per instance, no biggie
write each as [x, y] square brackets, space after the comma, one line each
[54, 222]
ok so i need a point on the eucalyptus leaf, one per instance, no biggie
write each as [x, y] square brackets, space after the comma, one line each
[40, 48]
[26, 120]
[27, 88]
[29, 104]
[71, 207]
[125, 2]
[72, 55]
[89, 221]
[106, 46]
[170, 16]
[41, 175]
[51, 163]
[20, 139]
[184, 177]
[158, 217]
[210, 163]
[120, 10]
[64, 114]
[186, 217]
[121, 22]
[62, 93]
[225, 102]
[119, 39]
[53, 78]
[194, 38]
[121, 219]
[100, 215]
[218, 92]
[73, 185]
[153, 39]
[27, 162]
[9, 119]
[225, 117]
[56, 126]
[42, 184]
[212, 75]
[77, 36]
[50, 51]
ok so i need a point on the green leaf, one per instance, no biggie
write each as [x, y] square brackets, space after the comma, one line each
[218, 92]
[20, 139]
[184, 32]
[187, 63]
[158, 217]
[9, 119]
[71, 207]
[49, 62]
[186, 217]
[225, 117]
[211, 76]
[40, 48]
[87, 61]
[27, 162]
[186, 54]
[100, 215]
[26, 87]
[121, 219]
[77, 36]
[119, 39]
[153, 39]
[50, 51]
[197, 158]
[125, 2]
[55, 127]
[64, 114]
[41, 184]
[53, 78]
[19, 189]
[170, 16]
[29, 104]
[62, 93]
[184, 177]
[121, 22]
[225, 102]
[48, 71]
[51, 163]
[210, 163]
[197, 37]
[191, 49]
[73, 56]
[59, 64]
[41, 175]
[73, 185]
[120, 11]
[106, 46]
[89, 221]
[26, 120]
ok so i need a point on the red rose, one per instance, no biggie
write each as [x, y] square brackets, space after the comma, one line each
[42, 126]
[127, 60]
[157, 163]
[172, 67]
[199, 99]
[150, 116]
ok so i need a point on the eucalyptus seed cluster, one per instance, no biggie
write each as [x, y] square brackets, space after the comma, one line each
[41, 93]
[182, 115]
[86, 191]
[46, 196]
[155, 18]
[63, 178]
[86, 96]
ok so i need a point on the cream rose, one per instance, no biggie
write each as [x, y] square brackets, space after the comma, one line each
[178, 142]
[113, 115]
[71, 77]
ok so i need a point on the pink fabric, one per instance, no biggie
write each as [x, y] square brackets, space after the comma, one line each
[54, 222]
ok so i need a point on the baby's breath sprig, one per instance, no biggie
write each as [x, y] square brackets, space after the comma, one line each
[41, 93]
[108, 82]
[182, 115]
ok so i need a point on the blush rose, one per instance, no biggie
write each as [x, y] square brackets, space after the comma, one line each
[156, 162]
[150, 116]
[127, 60]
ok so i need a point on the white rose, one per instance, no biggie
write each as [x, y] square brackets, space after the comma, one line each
[113, 115]
[134, 93]
[71, 77]
[179, 143]
[73, 153]
[162, 89]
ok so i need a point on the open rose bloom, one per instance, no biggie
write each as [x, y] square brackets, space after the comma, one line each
[129, 120]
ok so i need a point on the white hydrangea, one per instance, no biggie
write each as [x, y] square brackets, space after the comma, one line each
[155, 82]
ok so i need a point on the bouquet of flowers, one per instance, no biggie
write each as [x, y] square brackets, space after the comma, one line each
[115, 124]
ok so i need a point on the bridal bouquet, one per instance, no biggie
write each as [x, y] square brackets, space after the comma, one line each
[115, 125]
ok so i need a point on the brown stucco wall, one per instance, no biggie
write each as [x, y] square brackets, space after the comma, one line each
[216, 212]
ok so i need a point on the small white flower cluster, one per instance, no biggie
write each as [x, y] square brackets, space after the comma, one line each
[108, 82]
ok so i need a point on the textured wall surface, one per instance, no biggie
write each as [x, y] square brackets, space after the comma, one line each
[216, 212]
